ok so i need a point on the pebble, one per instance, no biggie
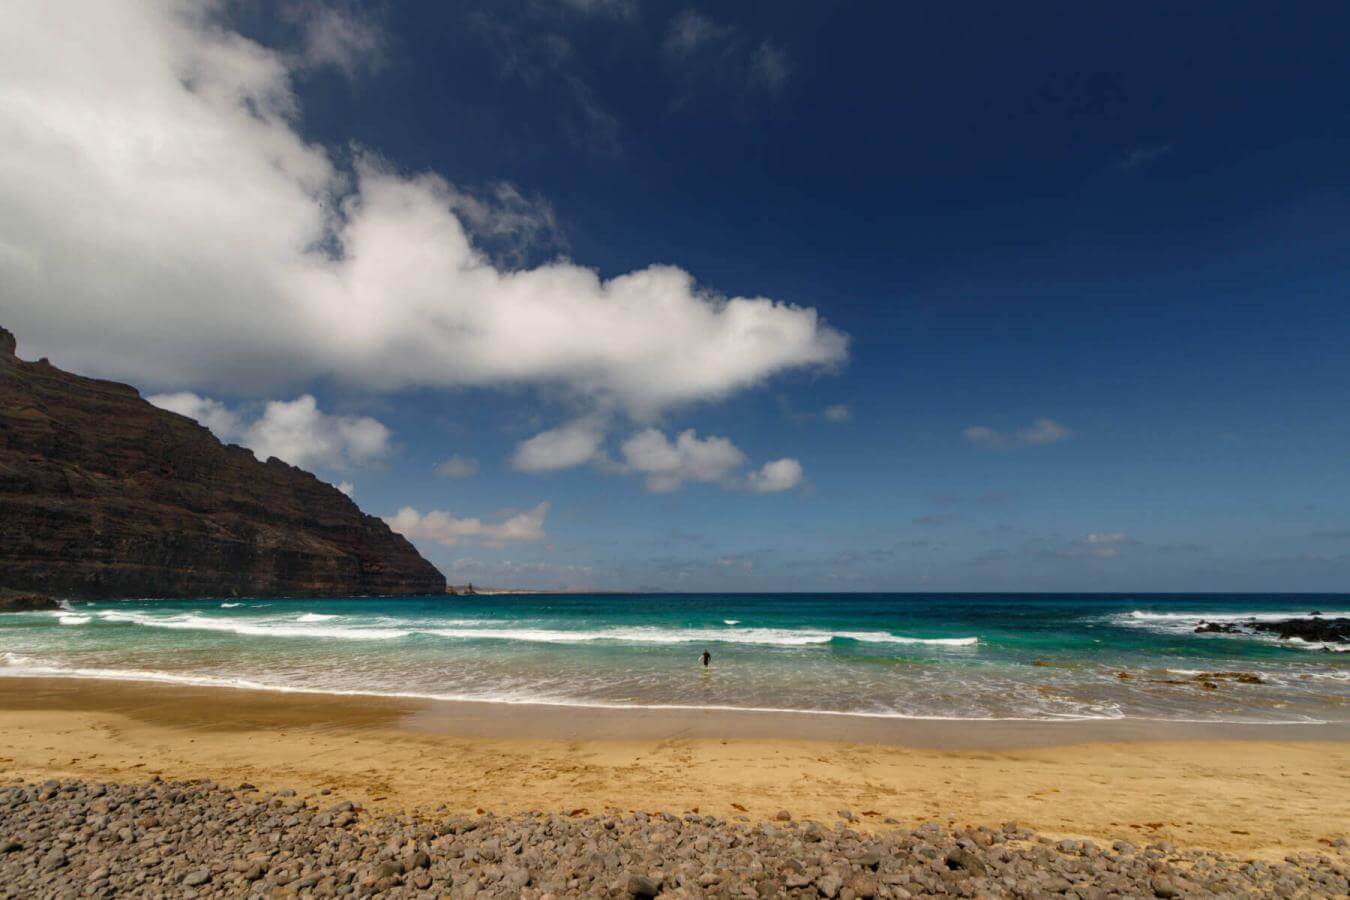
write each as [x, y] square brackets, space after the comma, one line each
[197, 839]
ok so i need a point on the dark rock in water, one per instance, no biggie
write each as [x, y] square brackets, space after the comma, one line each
[18, 602]
[1239, 677]
[1334, 631]
[1329, 630]
[103, 495]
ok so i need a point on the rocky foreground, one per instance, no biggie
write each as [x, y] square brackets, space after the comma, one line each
[197, 839]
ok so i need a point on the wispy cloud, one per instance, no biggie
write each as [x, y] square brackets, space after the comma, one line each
[1038, 433]
[769, 67]
[340, 35]
[708, 55]
[1139, 157]
[457, 467]
[1094, 545]
[545, 61]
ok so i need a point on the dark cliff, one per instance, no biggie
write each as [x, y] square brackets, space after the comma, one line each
[104, 495]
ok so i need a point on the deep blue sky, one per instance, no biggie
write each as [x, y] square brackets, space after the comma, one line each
[1127, 219]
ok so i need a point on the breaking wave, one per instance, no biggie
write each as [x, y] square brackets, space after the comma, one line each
[318, 625]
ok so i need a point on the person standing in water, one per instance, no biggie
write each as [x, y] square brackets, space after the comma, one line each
[707, 658]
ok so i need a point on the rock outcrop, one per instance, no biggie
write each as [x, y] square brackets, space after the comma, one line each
[103, 495]
[12, 601]
[1314, 629]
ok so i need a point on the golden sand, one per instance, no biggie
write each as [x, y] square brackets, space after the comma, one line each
[1231, 789]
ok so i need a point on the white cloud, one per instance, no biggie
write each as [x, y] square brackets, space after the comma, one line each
[443, 528]
[346, 487]
[667, 464]
[296, 431]
[1040, 432]
[713, 55]
[564, 447]
[162, 221]
[837, 413]
[223, 422]
[664, 464]
[457, 467]
[779, 475]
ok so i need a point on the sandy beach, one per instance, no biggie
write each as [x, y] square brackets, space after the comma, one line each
[1255, 791]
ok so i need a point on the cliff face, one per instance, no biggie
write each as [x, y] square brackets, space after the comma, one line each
[103, 495]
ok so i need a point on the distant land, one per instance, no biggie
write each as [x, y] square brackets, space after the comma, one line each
[103, 495]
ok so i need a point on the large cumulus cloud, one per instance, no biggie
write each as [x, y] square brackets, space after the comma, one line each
[163, 220]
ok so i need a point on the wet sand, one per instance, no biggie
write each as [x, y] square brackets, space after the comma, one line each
[1254, 790]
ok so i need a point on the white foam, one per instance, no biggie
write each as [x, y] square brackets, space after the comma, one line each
[1140, 615]
[731, 621]
[230, 605]
[251, 627]
[783, 637]
[311, 625]
[73, 619]
[1178, 623]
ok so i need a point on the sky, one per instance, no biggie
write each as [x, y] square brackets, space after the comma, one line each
[631, 295]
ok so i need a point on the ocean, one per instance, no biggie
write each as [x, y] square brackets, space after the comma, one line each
[925, 656]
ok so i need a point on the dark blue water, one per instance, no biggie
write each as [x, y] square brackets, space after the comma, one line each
[896, 655]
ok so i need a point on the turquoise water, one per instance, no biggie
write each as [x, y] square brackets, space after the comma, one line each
[890, 655]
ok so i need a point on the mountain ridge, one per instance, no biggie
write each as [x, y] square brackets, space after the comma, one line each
[103, 495]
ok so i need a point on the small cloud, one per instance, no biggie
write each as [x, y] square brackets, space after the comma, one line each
[295, 431]
[769, 67]
[223, 422]
[1039, 433]
[691, 31]
[457, 467]
[1139, 157]
[303, 435]
[664, 463]
[667, 464]
[837, 413]
[341, 37]
[346, 487]
[444, 528]
[565, 447]
[773, 477]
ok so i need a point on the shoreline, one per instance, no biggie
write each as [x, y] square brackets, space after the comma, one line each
[512, 718]
[1192, 785]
